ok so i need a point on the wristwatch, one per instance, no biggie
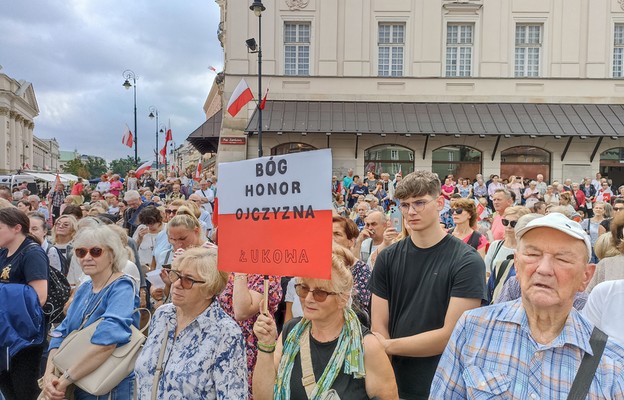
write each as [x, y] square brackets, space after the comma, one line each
[67, 377]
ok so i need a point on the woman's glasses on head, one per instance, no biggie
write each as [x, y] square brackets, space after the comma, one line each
[81, 252]
[318, 294]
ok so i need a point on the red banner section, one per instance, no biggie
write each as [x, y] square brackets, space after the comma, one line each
[275, 215]
[287, 247]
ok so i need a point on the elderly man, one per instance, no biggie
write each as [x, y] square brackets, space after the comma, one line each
[532, 348]
[501, 199]
[35, 205]
[421, 285]
[371, 236]
[205, 218]
[131, 215]
[206, 195]
[362, 209]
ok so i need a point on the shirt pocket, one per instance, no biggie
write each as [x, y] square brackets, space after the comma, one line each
[482, 384]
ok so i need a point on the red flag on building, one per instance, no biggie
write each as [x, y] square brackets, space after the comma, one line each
[241, 96]
[198, 172]
[264, 99]
[127, 137]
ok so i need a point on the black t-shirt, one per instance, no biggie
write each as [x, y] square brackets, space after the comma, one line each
[346, 386]
[418, 284]
[28, 263]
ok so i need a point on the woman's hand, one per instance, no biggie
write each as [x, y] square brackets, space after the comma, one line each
[53, 388]
[265, 329]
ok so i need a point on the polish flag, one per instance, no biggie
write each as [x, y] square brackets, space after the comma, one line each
[213, 69]
[264, 99]
[168, 135]
[127, 137]
[144, 168]
[198, 172]
[163, 152]
[241, 96]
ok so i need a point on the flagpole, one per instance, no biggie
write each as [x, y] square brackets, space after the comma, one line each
[154, 113]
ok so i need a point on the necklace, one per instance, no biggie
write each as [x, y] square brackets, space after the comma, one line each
[105, 283]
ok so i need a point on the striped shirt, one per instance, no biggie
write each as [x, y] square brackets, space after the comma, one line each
[491, 353]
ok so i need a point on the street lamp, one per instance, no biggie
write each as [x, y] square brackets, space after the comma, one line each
[154, 114]
[129, 74]
[257, 7]
[163, 129]
[24, 148]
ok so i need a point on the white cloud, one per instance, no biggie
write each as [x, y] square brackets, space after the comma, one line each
[74, 53]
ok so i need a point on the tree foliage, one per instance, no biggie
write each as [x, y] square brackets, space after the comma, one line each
[96, 166]
[76, 167]
[123, 165]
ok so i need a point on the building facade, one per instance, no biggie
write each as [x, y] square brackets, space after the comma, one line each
[18, 108]
[503, 87]
[46, 155]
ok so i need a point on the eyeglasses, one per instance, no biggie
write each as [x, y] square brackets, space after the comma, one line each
[169, 211]
[187, 283]
[318, 294]
[456, 211]
[59, 225]
[618, 208]
[417, 206]
[507, 222]
[81, 252]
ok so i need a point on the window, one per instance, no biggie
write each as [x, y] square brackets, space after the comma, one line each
[528, 48]
[525, 161]
[618, 51]
[394, 154]
[390, 159]
[290, 148]
[391, 43]
[459, 43]
[460, 161]
[297, 48]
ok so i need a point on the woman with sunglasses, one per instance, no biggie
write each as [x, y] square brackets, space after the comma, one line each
[203, 354]
[23, 290]
[464, 214]
[337, 351]
[500, 249]
[63, 232]
[109, 295]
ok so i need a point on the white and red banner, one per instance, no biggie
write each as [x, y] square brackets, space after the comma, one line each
[127, 137]
[198, 171]
[277, 219]
[144, 168]
[241, 96]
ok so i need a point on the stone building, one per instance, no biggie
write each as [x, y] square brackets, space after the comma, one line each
[494, 86]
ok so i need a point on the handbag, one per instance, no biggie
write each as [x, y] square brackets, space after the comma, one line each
[111, 372]
[58, 294]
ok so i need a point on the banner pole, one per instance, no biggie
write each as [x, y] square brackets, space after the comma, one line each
[266, 295]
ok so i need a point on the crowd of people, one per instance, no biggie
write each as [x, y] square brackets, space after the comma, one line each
[440, 288]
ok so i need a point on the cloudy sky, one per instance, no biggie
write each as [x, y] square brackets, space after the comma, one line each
[75, 51]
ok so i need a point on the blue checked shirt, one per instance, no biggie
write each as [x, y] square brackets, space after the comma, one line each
[491, 354]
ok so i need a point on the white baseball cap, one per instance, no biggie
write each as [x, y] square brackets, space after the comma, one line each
[561, 223]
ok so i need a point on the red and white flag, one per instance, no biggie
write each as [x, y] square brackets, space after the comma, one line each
[168, 138]
[198, 172]
[127, 137]
[213, 69]
[241, 96]
[264, 99]
[57, 182]
[146, 166]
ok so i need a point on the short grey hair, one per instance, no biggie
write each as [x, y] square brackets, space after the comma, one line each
[132, 195]
[204, 262]
[102, 235]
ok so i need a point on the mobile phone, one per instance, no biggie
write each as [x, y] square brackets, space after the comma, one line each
[396, 218]
[166, 266]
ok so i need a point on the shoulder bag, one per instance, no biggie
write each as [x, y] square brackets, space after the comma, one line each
[115, 369]
[307, 372]
[589, 364]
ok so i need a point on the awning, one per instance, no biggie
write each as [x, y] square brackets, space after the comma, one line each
[46, 177]
[69, 177]
[441, 118]
[206, 138]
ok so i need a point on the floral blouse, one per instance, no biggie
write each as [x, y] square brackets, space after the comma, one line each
[205, 361]
[255, 283]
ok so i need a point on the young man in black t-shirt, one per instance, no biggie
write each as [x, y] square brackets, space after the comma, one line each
[421, 285]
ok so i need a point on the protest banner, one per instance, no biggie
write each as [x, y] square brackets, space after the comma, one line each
[275, 215]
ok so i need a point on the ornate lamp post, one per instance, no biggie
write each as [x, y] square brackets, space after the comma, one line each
[154, 114]
[130, 75]
[257, 7]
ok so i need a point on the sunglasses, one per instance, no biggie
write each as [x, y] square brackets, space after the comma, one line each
[81, 252]
[168, 211]
[507, 222]
[185, 281]
[318, 294]
[60, 225]
[457, 211]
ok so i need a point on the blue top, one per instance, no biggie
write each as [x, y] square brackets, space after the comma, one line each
[205, 361]
[119, 300]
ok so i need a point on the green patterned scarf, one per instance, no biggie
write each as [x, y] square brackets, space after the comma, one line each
[349, 351]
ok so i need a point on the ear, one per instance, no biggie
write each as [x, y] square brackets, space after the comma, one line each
[440, 202]
[588, 274]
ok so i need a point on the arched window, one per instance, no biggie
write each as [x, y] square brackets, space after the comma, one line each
[525, 161]
[460, 161]
[389, 158]
[612, 165]
[289, 148]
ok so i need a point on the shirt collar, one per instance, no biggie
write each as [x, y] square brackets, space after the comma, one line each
[576, 331]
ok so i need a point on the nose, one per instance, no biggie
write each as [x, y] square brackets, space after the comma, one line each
[545, 265]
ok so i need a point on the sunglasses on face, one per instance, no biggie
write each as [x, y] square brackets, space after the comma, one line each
[168, 211]
[318, 294]
[185, 281]
[507, 222]
[457, 211]
[60, 225]
[95, 252]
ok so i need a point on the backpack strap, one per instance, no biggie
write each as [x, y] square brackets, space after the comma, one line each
[496, 250]
[589, 364]
[474, 240]
[503, 268]
[307, 371]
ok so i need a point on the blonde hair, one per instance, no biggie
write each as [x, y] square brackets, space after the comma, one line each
[516, 210]
[4, 203]
[185, 218]
[73, 226]
[204, 261]
[605, 247]
[341, 280]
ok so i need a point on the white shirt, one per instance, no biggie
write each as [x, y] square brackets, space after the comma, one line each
[208, 194]
[291, 297]
[604, 308]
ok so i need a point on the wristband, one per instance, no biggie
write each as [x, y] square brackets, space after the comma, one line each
[265, 351]
[67, 377]
[266, 348]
